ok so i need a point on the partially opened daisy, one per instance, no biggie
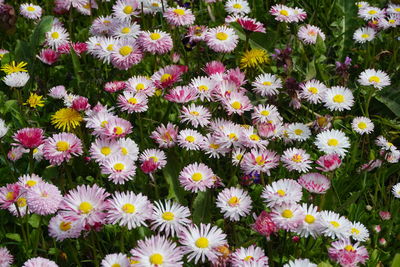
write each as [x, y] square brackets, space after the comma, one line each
[332, 142]
[57, 36]
[375, 78]
[200, 243]
[336, 226]
[195, 115]
[283, 191]
[179, 16]
[312, 91]
[251, 256]
[115, 260]
[237, 7]
[298, 131]
[315, 183]
[30, 11]
[363, 35]
[39, 261]
[169, 217]
[234, 203]
[16, 79]
[308, 34]
[221, 39]
[295, 159]
[129, 209]
[288, 216]
[196, 177]
[346, 253]
[61, 147]
[362, 125]
[267, 84]
[120, 169]
[338, 98]
[157, 251]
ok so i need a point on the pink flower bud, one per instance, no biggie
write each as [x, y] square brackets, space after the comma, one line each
[329, 163]
[385, 215]
[80, 103]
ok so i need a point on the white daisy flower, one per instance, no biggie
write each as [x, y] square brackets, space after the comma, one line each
[16, 79]
[332, 142]
[30, 11]
[57, 36]
[126, 30]
[363, 35]
[116, 259]
[3, 128]
[190, 139]
[204, 86]
[384, 144]
[283, 191]
[298, 131]
[124, 9]
[128, 148]
[265, 113]
[396, 190]
[234, 203]
[336, 226]
[267, 84]
[308, 34]
[312, 91]
[237, 156]
[375, 78]
[288, 216]
[362, 125]
[212, 148]
[370, 13]
[249, 257]
[300, 263]
[359, 232]
[312, 222]
[295, 159]
[393, 9]
[338, 98]
[195, 115]
[237, 7]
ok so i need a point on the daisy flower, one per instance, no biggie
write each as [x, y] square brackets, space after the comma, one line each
[157, 251]
[267, 84]
[396, 190]
[211, 147]
[169, 218]
[29, 180]
[124, 9]
[359, 232]
[168, 76]
[221, 39]
[128, 148]
[282, 13]
[312, 222]
[30, 11]
[126, 54]
[125, 30]
[283, 191]
[251, 25]
[116, 128]
[6, 259]
[102, 149]
[133, 102]
[61, 147]
[338, 98]
[204, 86]
[102, 25]
[249, 138]
[328, 162]
[237, 103]
[182, 94]
[57, 36]
[165, 136]
[44, 198]
[332, 142]
[336, 226]
[16, 79]
[295, 159]
[362, 125]
[200, 243]
[115, 260]
[384, 144]
[308, 34]
[29, 137]
[156, 42]
[196, 33]
[393, 9]
[86, 204]
[58, 92]
[157, 156]
[3, 128]
[298, 131]
[288, 216]
[196, 177]
[179, 16]
[128, 209]
[39, 261]
[237, 7]
[300, 263]
[375, 78]
[348, 254]
[237, 156]
[259, 161]
[315, 183]
[234, 203]
[265, 113]
[363, 35]
[312, 91]
[362, 4]
[195, 115]
[61, 228]
[190, 139]
[140, 84]
[120, 169]
[251, 256]
[66, 119]
[370, 13]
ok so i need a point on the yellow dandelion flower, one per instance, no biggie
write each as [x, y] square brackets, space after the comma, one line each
[13, 67]
[254, 58]
[66, 118]
[34, 101]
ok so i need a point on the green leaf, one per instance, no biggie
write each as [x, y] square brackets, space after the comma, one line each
[348, 26]
[23, 51]
[201, 207]
[175, 191]
[320, 46]
[38, 35]
[324, 264]
[34, 220]
[14, 236]
[311, 71]
[396, 260]
[391, 98]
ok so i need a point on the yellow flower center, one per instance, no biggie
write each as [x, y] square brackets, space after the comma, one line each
[281, 192]
[110, 47]
[62, 146]
[119, 167]
[338, 99]
[55, 35]
[265, 112]
[125, 50]
[155, 5]
[237, 6]
[165, 77]
[85, 207]
[284, 12]
[10, 195]
[349, 248]
[254, 137]
[287, 214]
[362, 125]
[31, 183]
[221, 36]
[30, 8]
[168, 216]
[179, 11]
[389, 144]
[104, 123]
[232, 136]
[194, 113]
[156, 259]
[364, 35]
[355, 231]
[233, 201]
[372, 12]
[297, 158]
[248, 258]
[239, 156]
[105, 150]
[106, 21]
[313, 90]
[116, 265]
[391, 21]
[202, 242]
[374, 79]
[298, 131]
[236, 105]
[128, 208]
[118, 130]
[335, 224]
[124, 151]
[21, 202]
[333, 142]
[139, 86]
[65, 226]
[132, 101]
[128, 10]
[126, 30]
[197, 176]
[155, 36]
[309, 219]
[260, 160]
[203, 88]
[214, 146]
[267, 83]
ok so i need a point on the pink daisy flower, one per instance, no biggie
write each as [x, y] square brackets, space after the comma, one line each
[165, 136]
[167, 76]
[119, 169]
[16, 153]
[58, 92]
[116, 128]
[308, 34]
[315, 183]
[102, 25]
[9, 194]
[126, 54]
[123, 10]
[264, 225]
[251, 25]
[6, 259]
[212, 148]
[190, 139]
[102, 149]
[250, 139]
[181, 94]
[347, 254]
[195, 115]
[61, 147]
[295, 159]
[48, 56]
[283, 191]
[329, 162]
[114, 86]
[156, 156]
[44, 198]
[86, 204]
[179, 16]
[221, 39]
[39, 261]
[214, 67]
[29, 180]
[196, 177]
[133, 102]
[61, 228]
[251, 256]
[288, 216]
[29, 137]
[234, 203]
[115, 260]
[140, 84]
[156, 42]
[259, 161]
[236, 103]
